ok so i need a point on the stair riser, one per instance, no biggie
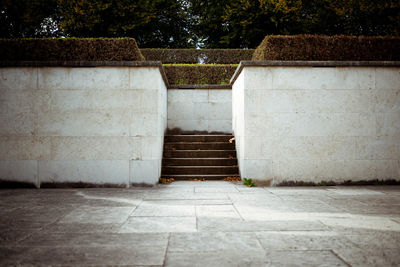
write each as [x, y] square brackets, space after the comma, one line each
[204, 170]
[191, 177]
[199, 162]
[199, 154]
[189, 157]
[201, 146]
[197, 138]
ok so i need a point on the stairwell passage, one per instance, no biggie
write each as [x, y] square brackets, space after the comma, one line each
[208, 157]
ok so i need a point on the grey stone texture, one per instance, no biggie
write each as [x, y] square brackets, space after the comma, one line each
[205, 109]
[211, 223]
[103, 124]
[317, 123]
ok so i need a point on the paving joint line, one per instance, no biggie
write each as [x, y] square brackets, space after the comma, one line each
[339, 257]
[166, 250]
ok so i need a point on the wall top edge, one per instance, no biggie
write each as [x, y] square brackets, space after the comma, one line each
[82, 64]
[201, 86]
[302, 63]
[318, 63]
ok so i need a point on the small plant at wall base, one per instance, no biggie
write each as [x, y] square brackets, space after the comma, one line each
[248, 182]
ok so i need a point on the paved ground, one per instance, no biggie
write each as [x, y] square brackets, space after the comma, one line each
[201, 224]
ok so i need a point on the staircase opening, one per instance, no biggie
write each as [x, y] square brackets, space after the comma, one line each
[199, 157]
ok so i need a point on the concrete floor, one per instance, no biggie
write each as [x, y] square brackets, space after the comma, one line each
[201, 224]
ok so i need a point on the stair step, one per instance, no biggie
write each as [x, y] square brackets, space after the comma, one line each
[200, 146]
[208, 157]
[199, 162]
[199, 154]
[197, 138]
[200, 177]
[228, 170]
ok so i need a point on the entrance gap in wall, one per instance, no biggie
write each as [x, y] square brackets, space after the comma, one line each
[200, 145]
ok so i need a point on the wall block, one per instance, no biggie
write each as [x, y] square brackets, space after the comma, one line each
[203, 110]
[82, 124]
[314, 124]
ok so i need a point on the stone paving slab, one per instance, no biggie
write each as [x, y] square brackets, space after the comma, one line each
[160, 208]
[215, 211]
[304, 258]
[59, 227]
[213, 223]
[157, 224]
[355, 192]
[98, 214]
[233, 224]
[82, 255]
[214, 242]
[376, 240]
[220, 259]
[302, 240]
[11, 237]
[97, 239]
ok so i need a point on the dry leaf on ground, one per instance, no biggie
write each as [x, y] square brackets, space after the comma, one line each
[232, 179]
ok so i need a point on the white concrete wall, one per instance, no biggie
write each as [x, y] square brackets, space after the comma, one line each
[207, 110]
[317, 124]
[93, 125]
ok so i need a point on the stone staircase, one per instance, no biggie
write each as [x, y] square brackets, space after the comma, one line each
[208, 157]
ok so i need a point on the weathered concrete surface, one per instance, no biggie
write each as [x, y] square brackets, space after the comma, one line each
[201, 224]
[99, 125]
[206, 109]
[317, 124]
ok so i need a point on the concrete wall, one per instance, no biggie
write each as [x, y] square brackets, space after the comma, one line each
[208, 110]
[317, 124]
[93, 125]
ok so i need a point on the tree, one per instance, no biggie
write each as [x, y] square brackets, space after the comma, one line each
[207, 23]
[202, 23]
[366, 17]
[249, 21]
[26, 18]
[154, 23]
[244, 23]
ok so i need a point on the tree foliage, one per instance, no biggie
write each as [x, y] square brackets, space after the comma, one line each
[203, 23]
[153, 23]
[24, 18]
[244, 23]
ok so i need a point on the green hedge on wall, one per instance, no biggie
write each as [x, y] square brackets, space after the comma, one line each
[179, 74]
[194, 56]
[337, 48]
[73, 49]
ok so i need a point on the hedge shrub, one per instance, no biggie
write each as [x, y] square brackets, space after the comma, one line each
[193, 56]
[338, 48]
[73, 49]
[179, 74]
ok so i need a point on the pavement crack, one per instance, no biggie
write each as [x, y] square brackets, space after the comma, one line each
[338, 256]
[166, 250]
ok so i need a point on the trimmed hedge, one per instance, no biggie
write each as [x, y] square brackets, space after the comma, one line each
[337, 48]
[193, 56]
[70, 49]
[199, 74]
